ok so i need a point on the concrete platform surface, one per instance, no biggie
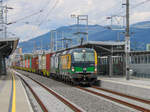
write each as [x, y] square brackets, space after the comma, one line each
[134, 87]
[13, 97]
[135, 82]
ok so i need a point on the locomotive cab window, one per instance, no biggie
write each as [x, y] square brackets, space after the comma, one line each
[87, 56]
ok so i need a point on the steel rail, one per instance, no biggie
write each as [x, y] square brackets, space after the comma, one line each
[35, 95]
[115, 99]
[74, 108]
[124, 95]
[59, 97]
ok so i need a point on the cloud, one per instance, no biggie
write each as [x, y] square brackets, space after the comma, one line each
[95, 9]
[57, 13]
[140, 16]
[31, 31]
[85, 6]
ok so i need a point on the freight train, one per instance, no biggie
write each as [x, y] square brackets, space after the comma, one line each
[78, 66]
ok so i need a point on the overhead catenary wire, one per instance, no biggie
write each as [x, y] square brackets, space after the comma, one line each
[38, 17]
[33, 14]
[47, 15]
[55, 5]
[104, 19]
[43, 8]
[26, 17]
[141, 3]
[133, 7]
[122, 13]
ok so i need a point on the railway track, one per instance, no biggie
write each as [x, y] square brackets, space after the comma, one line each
[123, 95]
[42, 105]
[98, 92]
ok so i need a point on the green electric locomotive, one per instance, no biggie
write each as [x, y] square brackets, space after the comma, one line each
[78, 66]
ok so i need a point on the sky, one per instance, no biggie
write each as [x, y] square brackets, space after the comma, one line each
[56, 13]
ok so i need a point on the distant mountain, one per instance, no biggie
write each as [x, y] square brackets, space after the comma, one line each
[139, 36]
[142, 25]
[64, 31]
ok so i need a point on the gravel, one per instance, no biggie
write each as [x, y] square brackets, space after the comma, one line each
[35, 106]
[51, 102]
[86, 101]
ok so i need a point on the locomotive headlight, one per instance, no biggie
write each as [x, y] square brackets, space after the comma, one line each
[73, 69]
[83, 50]
[84, 68]
[95, 69]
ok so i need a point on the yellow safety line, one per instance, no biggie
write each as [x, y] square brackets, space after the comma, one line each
[14, 95]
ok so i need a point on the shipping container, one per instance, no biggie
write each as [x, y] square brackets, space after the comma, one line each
[52, 64]
[30, 62]
[21, 63]
[33, 63]
[48, 62]
[25, 63]
[48, 56]
[36, 63]
[43, 62]
[40, 62]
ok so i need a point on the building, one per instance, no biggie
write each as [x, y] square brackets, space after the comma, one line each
[147, 47]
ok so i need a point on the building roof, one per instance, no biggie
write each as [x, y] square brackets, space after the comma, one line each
[139, 52]
[8, 46]
[103, 47]
[109, 43]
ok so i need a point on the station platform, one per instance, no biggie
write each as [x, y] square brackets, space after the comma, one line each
[134, 87]
[13, 97]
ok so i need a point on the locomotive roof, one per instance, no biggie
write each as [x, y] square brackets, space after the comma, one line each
[78, 50]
